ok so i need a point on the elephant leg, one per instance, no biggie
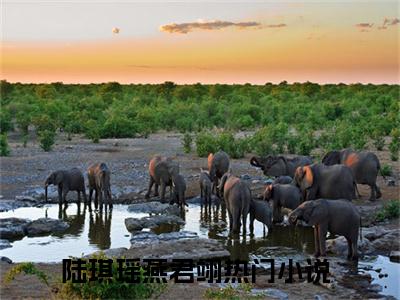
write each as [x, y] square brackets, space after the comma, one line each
[252, 223]
[322, 231]
[90, 194]
[149, 189]
[244, 221]
[317, 252]
[96, 198]
[355, 249]
[84, 194]
[235, 220]
[378, 191]
[79, 197]
[201, 193]
[163, 187]
[230, 220]
[60, 196]
[372, 197]
[156, 185]
[64, 195]
[349, 248]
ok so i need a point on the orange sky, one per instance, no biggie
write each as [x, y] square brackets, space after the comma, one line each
[299, 42]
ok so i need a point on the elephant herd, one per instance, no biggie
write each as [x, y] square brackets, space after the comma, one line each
[318, 193]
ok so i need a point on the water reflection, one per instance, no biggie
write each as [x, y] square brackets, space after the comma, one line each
[100, 228]
[76, 222]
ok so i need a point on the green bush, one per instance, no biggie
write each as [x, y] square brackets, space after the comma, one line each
[4, 148]
[92, 131]
[394, 145]
[390, 210]
[262, 142]
[386, 170]
[187, 140]
[46, 139]
[5, 121]
[205, 144]
[26, 268]
[111, 288]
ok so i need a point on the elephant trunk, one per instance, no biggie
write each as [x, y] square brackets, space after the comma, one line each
[45, 191]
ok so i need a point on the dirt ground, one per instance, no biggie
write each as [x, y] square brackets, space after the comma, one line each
[27, 168]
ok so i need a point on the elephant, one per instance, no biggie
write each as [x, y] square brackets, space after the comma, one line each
[260, 211]
[237, 198]
[99, 181]
[364, 165]
[339, 217]
[218, 165]
[67, 180]
[283, 180]
[205, 186]
[280, 165]
[161, 170]
[179, 189]
[330, 182]
[282, 195]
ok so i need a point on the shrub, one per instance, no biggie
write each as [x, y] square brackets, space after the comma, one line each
[4, 148]
[306, 143]
[386, 170]
[378, 140]
[25, 140]
[111, 288]
[26, 268]
[46, 139]
[205, 144]
[5, 121]
[92, 131]
[262, 142]
[394, 145]
[187, 140]
[390, 210]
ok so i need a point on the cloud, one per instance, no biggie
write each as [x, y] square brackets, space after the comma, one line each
[184, 28]
[115, 30]
[364, 25]
[276, 25]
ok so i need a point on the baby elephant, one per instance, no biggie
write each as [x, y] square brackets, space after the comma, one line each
[179, 189]
[260, 211]
[205, 186]
[336, 216]
[67, 180]
[282, 195]
[99, 181]
[237, 197]
[283, 180]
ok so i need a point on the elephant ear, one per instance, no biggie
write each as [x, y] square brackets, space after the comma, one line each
[58, 177]
[285, 162]
[209, 161]
[268, 193]
[331, 158]
[221, 185]
[316, 214]
[298, 176]
[308, 177]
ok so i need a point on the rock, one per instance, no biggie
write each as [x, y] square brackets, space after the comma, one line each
[152, 238]
[6, 205]
[45, 226]
[4, 244]
[134, 224]
[388, 242]
[13, 228]
[391, 182]
[255, 181]
[339, 246]
[395, 256]
[154, 207]
[6, 259]
[25, 198]
[373, 233]
[110, 253]
[192, 248]
[376, 288]
[245, 177]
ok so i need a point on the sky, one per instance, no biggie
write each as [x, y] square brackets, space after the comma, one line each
[194, 41]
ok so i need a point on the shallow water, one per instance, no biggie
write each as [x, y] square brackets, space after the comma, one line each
[92, 231]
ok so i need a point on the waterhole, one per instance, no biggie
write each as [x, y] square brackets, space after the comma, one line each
[92, 231]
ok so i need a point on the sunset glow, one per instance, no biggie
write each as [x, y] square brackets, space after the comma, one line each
[134, 42]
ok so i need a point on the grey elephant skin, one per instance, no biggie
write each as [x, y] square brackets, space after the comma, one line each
[218, 165]
[339, 217]
[283, 180]
[237, 197]
[329, 182]
[179, 189]
[280, 165]
[364, 165]
[67, 180]
[282, 195]
[99, 176]
[161, 170]
[260, 211]
[205, 186]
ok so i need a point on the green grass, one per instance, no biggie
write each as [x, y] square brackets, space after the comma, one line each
[26, 268]
[390, 210]
[386, 170]
[243, 291]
